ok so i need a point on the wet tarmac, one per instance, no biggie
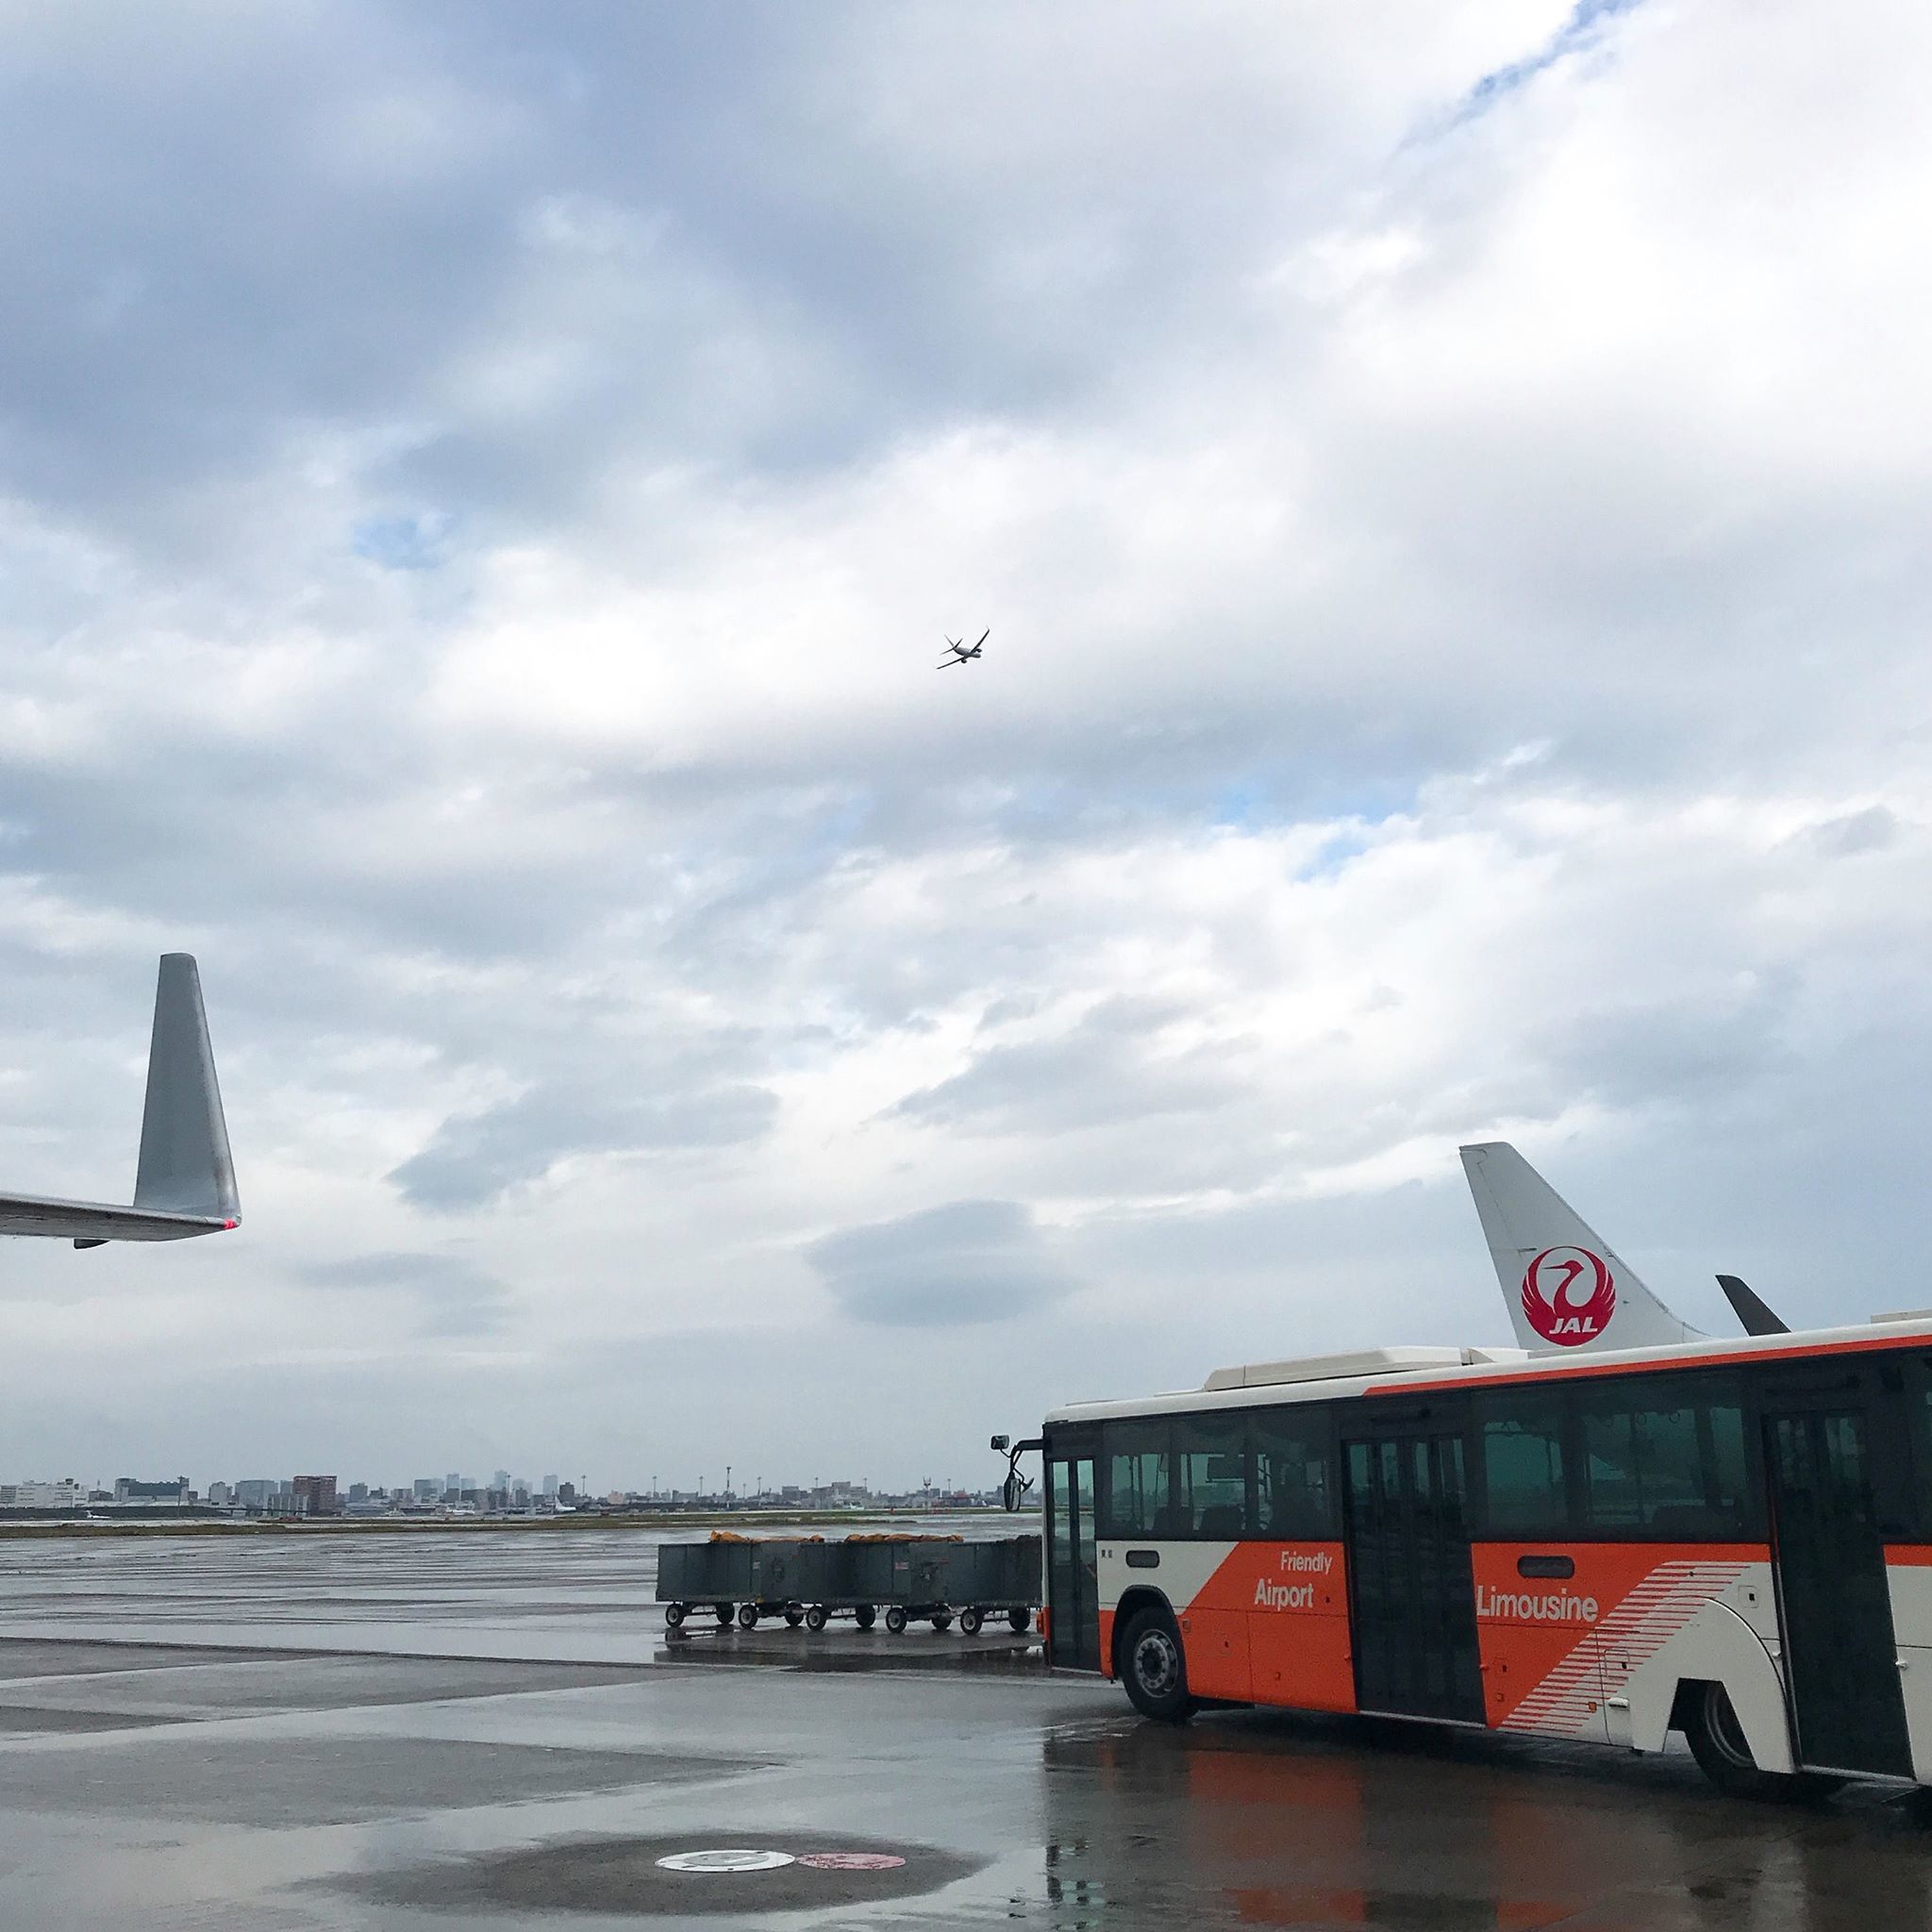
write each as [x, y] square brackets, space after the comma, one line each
[436, 1731]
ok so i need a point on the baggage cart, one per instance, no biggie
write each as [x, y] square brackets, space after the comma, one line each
[714, 1574]
[1000, 1578]
[810, 1580]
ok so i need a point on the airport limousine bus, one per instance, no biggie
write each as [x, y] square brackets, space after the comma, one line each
[1584, 1540]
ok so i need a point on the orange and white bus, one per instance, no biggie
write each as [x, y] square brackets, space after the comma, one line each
[1622, 1529]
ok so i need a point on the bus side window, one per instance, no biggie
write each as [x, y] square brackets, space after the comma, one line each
[1137, 1457]
[1525, 1493]
[1666, 1456]
[1210, 1482]
[1292, 1497]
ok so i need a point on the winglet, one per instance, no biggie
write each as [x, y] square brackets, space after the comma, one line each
[1566, 1288]
[1754, 1316]
[186, 1167]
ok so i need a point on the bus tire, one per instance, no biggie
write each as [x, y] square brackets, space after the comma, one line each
[673, 1616]
[1019, 1621]
[747, 1616]
[895, 1621]
[793, 1615]
[866, 1615]
[722, 1613]
[815, 1618]
[1154, 1667]
[970, 1621]
[1718, 1744]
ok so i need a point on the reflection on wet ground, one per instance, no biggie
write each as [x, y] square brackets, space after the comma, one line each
[391, 1732]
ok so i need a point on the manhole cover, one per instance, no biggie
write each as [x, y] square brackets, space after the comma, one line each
[682, 1875]
[732, 1861]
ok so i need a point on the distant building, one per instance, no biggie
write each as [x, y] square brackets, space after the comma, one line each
[358, 1493]
[428, 1489]
[550, 1486]
[129, 1489]
[257, 1493]
[566, 1493]
[35, 1494]
[315, 1495]
[221, 1495]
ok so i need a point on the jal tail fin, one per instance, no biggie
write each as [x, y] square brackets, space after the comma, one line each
[185, 1164]
[1567, 1288]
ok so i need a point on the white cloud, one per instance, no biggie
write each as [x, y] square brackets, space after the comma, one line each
[1454, 669]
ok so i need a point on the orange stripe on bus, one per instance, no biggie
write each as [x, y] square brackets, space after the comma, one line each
[1570, 1372]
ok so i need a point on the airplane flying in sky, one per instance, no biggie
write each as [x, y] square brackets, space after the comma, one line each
[185, 1180]
[960, 653]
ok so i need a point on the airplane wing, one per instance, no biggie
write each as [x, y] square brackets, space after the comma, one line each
[89, 1222]
[185, 1179]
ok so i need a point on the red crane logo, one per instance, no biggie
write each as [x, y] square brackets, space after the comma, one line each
[1569, 1296]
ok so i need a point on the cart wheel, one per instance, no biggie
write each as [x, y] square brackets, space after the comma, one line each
[816, 1619]
[747, 1616]
[1020, 1622]
[942, 1620]
[895, 1619]
[673, 1616]
[793, 1615]
[866, 1615]
[970, 1622]
[722, 1613]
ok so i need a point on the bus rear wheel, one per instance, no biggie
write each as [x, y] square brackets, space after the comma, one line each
[1155, 1668]
[1723, 1753]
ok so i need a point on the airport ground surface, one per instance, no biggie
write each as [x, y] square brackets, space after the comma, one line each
[430, 1732]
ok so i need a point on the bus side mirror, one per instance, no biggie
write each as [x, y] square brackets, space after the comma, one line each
[1001, 1443]
[1014, 1490]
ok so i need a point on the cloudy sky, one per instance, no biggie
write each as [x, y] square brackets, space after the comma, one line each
[482, 492]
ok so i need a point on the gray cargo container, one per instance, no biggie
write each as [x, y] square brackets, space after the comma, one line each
[693, 1574]
[810, 1580]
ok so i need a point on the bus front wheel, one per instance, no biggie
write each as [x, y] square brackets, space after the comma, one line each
[1155, 1668]
[1718, 1742]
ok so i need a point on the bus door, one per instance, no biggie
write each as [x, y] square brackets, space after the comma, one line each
[1411, 1590]
[1834, 1602]
[1073, 1573]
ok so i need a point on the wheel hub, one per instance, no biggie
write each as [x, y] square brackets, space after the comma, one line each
[1157, 1663]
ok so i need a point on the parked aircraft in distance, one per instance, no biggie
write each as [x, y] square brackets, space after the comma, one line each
[960, 653]
[185, 1180]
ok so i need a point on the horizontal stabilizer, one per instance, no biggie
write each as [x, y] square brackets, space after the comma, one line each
[1565, 1287]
